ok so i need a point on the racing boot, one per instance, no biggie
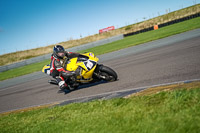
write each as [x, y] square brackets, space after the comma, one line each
[62, 85]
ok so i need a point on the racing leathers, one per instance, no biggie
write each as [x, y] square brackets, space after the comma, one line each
[58, 72]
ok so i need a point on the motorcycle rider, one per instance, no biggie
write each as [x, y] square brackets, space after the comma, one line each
[56, 66]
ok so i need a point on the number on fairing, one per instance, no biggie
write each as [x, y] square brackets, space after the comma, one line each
[89, 64]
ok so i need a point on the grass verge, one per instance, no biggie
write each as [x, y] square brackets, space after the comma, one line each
[23, 70]
[127, 42]
[167, 111]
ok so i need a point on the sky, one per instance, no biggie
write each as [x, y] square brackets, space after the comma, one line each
[27, 24]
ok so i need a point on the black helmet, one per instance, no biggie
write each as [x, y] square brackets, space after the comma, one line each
[59, 51]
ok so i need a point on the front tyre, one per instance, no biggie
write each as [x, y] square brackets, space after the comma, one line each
[107, 74]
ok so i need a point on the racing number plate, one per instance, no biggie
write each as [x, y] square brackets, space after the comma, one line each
[89, 64]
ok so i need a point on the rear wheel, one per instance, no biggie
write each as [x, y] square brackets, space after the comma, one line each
[107, 74]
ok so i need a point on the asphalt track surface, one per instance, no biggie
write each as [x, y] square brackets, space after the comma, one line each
[172, 62]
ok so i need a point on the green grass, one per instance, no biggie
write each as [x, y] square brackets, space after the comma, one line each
[147, 37]
[127, 42]
[175, 111]
[23, 70]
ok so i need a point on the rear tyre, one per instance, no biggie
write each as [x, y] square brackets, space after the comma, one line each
[107, 74]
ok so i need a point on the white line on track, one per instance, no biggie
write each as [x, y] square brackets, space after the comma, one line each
[113, 92]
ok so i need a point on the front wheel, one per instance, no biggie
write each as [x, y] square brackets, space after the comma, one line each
[107, 74]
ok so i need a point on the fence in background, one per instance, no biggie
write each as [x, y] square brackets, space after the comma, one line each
[73, 49]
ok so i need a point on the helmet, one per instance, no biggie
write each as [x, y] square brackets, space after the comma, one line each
[59, 51]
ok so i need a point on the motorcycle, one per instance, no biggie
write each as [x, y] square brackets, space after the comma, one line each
[87, 70]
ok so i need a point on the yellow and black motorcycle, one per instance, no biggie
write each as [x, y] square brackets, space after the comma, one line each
[87, 70]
